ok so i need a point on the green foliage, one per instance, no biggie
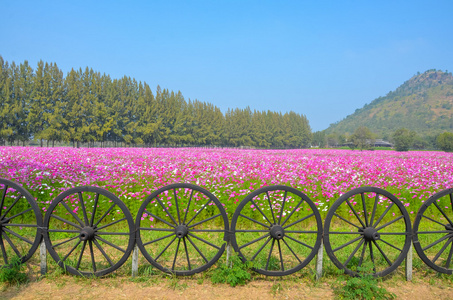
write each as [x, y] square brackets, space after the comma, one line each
[403, 139]
[445, 141]
[362, 287]
[13, 274]
[87, 107]
[362, 138]
[236, 273]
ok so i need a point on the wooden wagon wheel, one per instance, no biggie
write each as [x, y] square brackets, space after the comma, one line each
[20, 223]
[90, 232]
[278, 228]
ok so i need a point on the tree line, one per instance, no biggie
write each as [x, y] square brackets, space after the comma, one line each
[92, 108]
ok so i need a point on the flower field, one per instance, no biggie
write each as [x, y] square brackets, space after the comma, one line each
[230, 174]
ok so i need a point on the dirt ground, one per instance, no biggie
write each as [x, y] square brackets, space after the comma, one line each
[70, 287]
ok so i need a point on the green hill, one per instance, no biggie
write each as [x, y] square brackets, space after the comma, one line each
[423, 104]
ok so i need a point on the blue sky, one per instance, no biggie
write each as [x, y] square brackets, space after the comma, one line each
[323, 59]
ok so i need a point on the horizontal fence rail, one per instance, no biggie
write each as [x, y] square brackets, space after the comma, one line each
[183, 229]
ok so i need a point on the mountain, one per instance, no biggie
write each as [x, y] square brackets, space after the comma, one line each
[423, 104]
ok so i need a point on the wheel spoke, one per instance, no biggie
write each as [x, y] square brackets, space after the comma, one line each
[63, 230]
[157, 229]
[92, 255]
[203, 240]
[436, 231]
[270, 206]
[347, 244]
[391, 222]
[363, 254]
[158, 239]
[17, 235]
[283, 208]
[196, 248]
[112, 233]
[372, 256]
[206, 220]
[443, 213]
[103, 252]
[65, 221]
[160, 219]
[433, 220]
[20, 225]
[188, 206]
[72, 213]
[2, 245]
[298, 221]
[69, 253]
[373, 214]
[111, 244]
[447, 263]
[293, 211]
[187, 253]
[177, 206]
[300, 242]
[253, 220]
[441, 250]
[261, 248]
[3, 197]
[166, 210]
[401, 250]
[355, 213]
[162, 252]
[364, 209]
[258, 208]
[353, 252]
[82, 203]
[337, 215]
[198, 212]
[251, 230]
[300, 231]
[104, 215]
[437, 242]
[81, 254]
[345, 232]
[96, 199]
[9, 208]
[176, 254]
[270, 253]
[382, 253]
[281, 257]
[382, 216]
[16, 215]
[11, 244]
[105, 226]
[64, 242]
[290, 249]
[254, 241]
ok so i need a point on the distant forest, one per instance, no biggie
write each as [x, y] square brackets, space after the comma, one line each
[86, 107]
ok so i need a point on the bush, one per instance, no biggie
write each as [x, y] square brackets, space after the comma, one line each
[236, 274]
[445, 141]
[12, 274]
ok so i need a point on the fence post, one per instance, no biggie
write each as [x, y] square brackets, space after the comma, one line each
[135, 261]
[319, 261]
[228, 263]
[409, 264]
[43, 257]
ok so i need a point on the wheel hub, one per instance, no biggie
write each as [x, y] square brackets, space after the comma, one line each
[277, 232]
[181, 231]
[87, 234]
[449, 227]
[370, 234]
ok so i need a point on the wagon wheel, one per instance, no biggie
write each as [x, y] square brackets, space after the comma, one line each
[20, 223]
[89, 231]
[433, 231]
[367, 231]
[278, 228]
[182, 229]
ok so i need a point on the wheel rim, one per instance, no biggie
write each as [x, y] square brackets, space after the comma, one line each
[89, 231]
[367, 231]
[182, 229]
[278, 228]
[433, 232]
[20, 223]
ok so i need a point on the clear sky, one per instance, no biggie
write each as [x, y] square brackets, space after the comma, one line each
[323, 59]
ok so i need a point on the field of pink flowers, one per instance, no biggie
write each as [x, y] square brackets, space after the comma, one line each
[230, 174]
